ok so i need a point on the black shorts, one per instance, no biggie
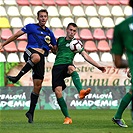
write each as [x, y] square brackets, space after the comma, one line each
[38, 69]
[59, 73]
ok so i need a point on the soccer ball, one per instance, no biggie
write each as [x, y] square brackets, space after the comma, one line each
[76, 45]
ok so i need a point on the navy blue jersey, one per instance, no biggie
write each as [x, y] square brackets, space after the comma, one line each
[39, 37]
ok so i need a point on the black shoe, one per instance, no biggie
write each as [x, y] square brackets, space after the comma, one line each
[30, 117]
[12, 79]
[119, 122]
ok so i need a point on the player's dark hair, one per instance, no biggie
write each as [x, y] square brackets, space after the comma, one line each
[42, 10]
[131, 3]
[72, 24]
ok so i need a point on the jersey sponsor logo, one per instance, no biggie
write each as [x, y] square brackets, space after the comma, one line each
[68, 44]
[47, 39]
[131, 26]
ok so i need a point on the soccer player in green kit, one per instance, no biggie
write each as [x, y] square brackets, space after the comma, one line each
[63, 67]
[123, 42]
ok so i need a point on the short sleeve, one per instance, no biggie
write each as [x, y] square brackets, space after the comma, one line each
[27, 28]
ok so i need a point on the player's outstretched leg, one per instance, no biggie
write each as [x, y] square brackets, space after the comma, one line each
[12, 79]
[78, 85]
[24, 70]
[83, 93]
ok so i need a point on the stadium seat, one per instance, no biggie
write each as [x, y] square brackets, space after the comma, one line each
[127, 11]
[55, 22]
[108, 22]
[36, 2]
[14, 24]
[62, 2]
[1, 2]
[23, 37]
[5, 33]
[49, 2]
[23, 2]
[117, 11]
[119, 20]
[36, 9]
[99, 34]
[11, 47]
[85, 34]
[74, 2]
[65, 11]
[104, 11]
[78, 11]
[2, 57]
[90, 46]
[124, 2]
[94, 56]
[28, 20]
[87, 2]
[103, 46]
[21, 46]
[21, 56]
[47, 24]
[113, 2]
[13, 11]
[2, 11]
[4, 23]
[77, 36]
[91, 11]
[78, 58]
[26, 11]
[51, 57]
[106, 57]
[82, 22]
[58, 33]
[94, 22]
[12, 57]
[67, 20]
[100, 2]
[52, 11]
[109, 34]
[9, 2]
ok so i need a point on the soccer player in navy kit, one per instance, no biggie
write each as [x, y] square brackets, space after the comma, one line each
[40, 39]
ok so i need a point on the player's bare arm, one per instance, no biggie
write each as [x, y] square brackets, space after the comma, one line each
[91, 61]
[53, 48]
[12, 38]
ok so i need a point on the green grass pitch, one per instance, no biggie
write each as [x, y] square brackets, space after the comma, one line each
[50, 121]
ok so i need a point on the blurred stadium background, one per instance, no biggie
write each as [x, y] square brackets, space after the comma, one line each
[95, 19]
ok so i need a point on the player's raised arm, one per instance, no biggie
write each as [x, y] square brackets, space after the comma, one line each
[12, 38]
[91, 61]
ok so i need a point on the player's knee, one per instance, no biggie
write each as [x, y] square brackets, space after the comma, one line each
[35, 58]
[58, 92]
[71, 69]
[37, 88]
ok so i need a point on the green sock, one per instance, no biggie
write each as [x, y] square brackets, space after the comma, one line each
[76, 81]
[124, 103]
[63, 106]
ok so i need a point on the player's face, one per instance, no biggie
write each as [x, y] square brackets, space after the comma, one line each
[42, 18]
[71, 31]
